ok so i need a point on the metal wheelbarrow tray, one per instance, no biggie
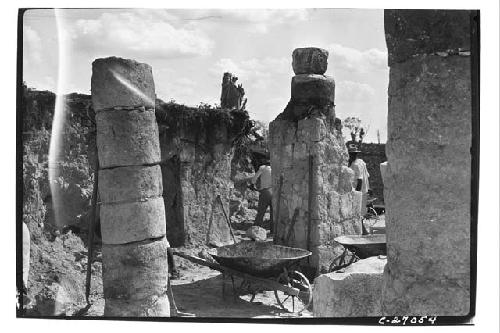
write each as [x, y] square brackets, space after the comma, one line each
[364, 246]
[263, 259]
[261, 265]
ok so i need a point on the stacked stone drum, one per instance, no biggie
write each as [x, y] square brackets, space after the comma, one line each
[132, 212]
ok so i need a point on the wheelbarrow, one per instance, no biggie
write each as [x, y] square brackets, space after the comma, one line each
[261, 266]
[358, 247]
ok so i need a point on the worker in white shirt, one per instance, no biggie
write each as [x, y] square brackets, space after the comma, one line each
[361, 174]
[265, 193]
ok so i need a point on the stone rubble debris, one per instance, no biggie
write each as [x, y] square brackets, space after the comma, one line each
[256, 233]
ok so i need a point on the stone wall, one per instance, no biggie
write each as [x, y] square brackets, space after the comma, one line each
[208, 133]
[428, 177]
[53, 265]
[374, 154]
[74, 178]
[196, 151]
[313, 201]
[56, 280]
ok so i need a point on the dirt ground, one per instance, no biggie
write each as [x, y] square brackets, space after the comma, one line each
[198, 291]
[58, 283]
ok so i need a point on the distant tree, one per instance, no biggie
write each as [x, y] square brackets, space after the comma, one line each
[356, 128]
[205, 106]
[261, 129]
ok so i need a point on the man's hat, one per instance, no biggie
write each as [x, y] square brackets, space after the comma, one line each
[352, 147]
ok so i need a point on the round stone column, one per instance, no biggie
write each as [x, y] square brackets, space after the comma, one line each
[135, 270]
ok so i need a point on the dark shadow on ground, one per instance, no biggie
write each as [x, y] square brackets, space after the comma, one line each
[204, 299]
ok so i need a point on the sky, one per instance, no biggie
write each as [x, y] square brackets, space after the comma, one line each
[190, 49]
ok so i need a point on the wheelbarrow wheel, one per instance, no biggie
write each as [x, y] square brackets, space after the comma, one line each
[296, 280]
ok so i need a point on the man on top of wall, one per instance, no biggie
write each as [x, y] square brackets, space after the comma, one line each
[265, 192]
[361, 174]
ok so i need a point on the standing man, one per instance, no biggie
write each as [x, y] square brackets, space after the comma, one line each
[361, 174]
[265, 192]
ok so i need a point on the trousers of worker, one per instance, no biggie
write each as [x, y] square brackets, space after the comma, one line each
[364, 200]
[265, 200]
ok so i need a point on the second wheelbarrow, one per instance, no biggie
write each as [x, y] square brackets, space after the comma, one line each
[261, 266]
[358, 247]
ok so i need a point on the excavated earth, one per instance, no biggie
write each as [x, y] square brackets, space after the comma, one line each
[56, 285]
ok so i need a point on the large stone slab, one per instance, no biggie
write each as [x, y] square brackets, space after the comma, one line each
[313, 89]
[309, 60]
[118, 82]
[134, 183]
[135, 271]
[132, 221]
[127, 138]
[356, 292]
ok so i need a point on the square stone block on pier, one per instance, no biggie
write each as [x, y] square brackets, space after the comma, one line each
[309, 60]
